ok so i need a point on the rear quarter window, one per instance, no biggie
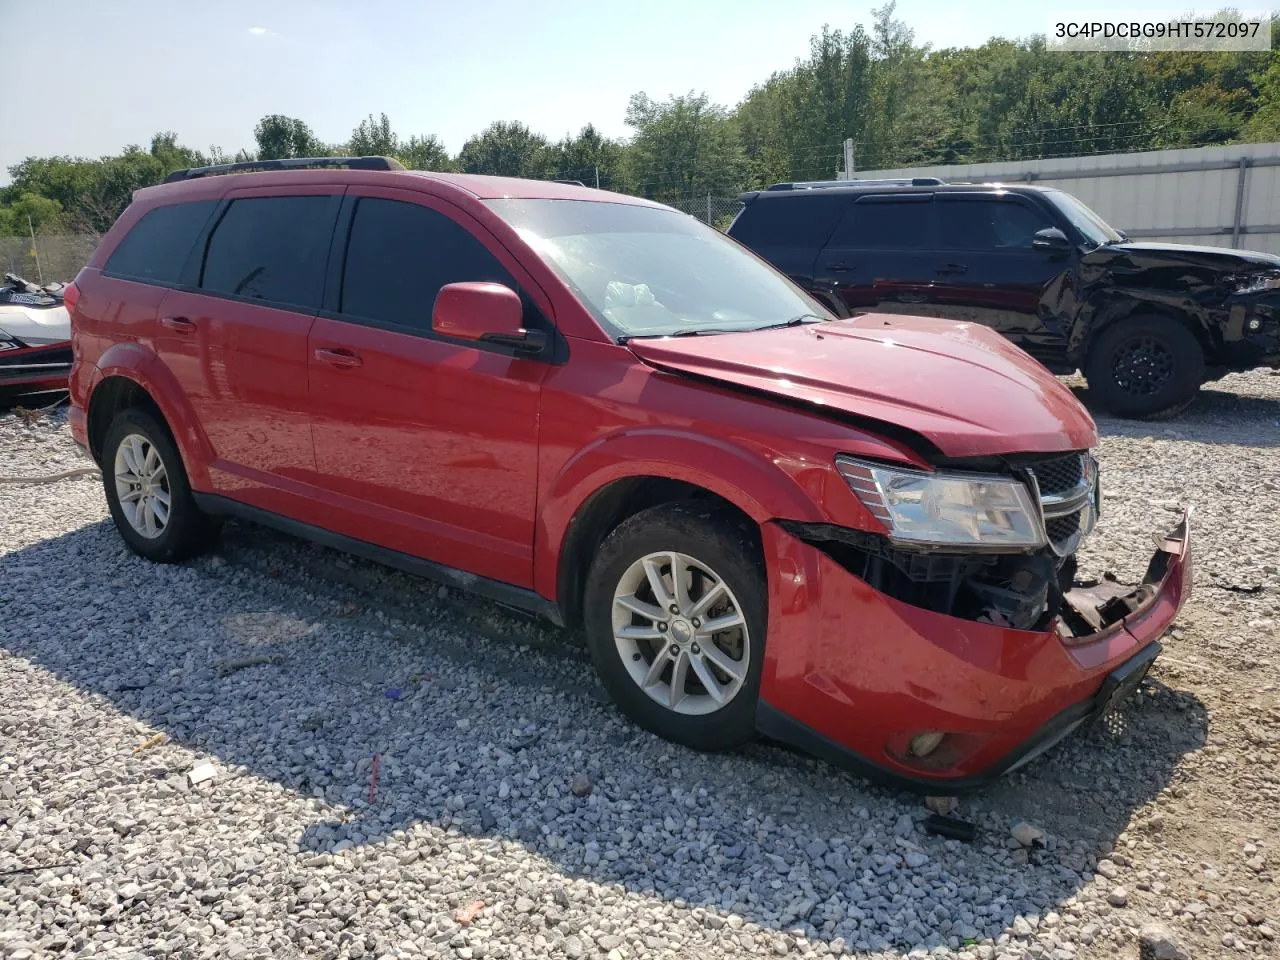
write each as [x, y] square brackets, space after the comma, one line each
[793, 221]
[157, 247]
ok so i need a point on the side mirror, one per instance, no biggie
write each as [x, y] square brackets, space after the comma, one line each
[484, 312]
[1123, 236]
[1050, 239]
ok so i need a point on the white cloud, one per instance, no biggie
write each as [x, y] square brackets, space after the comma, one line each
[258, 31]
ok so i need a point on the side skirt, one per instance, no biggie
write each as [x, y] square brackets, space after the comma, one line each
[504, 593]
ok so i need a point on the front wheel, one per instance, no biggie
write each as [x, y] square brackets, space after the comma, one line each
[1145, 367]
[675, 621]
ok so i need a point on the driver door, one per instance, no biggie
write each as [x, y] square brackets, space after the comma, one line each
[423, 444]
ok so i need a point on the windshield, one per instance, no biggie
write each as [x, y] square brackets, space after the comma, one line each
[1095, 229]
[652, 272]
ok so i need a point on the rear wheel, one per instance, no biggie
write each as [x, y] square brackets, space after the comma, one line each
[675, 622]
[148, 493]
[1145, 367]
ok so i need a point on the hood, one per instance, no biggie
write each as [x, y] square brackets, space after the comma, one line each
[962, 386]
[1222, 257]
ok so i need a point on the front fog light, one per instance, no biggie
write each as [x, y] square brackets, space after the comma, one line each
[923, 744]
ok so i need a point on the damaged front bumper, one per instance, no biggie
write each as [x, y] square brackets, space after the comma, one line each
[867, 680]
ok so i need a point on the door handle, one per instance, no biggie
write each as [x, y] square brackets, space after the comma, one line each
[178, 324]
[951, 268]
[839, 266]
[341, 358]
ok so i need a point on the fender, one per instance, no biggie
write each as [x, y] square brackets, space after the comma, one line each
[138, 363]
[759, 488]
[1104, 308]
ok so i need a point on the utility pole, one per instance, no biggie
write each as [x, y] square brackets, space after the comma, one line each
[849, 159]
[34, 251]
[597, 176]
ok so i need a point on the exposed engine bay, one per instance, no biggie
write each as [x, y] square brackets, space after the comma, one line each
[1036, 591]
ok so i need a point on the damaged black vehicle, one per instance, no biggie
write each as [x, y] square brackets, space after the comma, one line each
[1147, 323]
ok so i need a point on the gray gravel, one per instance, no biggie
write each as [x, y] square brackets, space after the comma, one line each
[403, 771]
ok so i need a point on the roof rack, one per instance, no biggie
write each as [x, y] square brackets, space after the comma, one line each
[572, 183]
[820, 184]
[292, 163]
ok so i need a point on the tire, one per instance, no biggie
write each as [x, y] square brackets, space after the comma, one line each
[712, 546]
[1147, 368]
[179, 530]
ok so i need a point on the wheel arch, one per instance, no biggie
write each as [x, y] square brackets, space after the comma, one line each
[131, 375]
[620, 476]
[1106, 316]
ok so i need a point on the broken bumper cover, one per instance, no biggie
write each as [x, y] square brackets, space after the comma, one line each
[853, 675]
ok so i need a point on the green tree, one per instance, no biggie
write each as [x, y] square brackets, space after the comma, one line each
[684, 148]
[1265, 123]
[280, 137]
[373, 138]
[507, 149]
[591, 158]
[27, 212]
[424, 153]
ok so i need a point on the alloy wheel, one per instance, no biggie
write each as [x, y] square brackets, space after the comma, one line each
[142, 485]
[681, 633]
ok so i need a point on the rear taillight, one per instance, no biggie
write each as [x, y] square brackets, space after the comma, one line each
[70, 297]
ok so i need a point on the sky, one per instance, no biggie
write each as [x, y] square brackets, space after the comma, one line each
[113, 73]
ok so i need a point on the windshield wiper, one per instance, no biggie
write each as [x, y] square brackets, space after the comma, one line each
[795, 321]
[678, 333]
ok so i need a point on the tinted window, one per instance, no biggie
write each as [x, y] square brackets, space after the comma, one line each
[790, 221]
[158, 245]
[894, 224]
[988, 224]
[272, 248]
[401, 254]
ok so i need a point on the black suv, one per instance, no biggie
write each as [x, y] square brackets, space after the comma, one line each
[1147, 323]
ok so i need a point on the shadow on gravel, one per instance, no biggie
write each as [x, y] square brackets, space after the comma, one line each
[1217, 415]
[478, 734]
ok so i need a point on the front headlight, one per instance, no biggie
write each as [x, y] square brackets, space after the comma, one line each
[946, 509]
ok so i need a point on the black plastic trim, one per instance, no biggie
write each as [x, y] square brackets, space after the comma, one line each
[288, 163]
[496, 590]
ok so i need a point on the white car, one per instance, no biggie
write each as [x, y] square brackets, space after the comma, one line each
[35, 337]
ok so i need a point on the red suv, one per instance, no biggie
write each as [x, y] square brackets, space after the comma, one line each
[857, 536]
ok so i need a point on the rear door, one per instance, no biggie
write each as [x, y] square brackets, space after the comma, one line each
[237, 338]
[880, 256]
[989, 273]
[425, 445]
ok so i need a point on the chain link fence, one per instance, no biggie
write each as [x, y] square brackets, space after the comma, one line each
[46, 259]
[717, 211]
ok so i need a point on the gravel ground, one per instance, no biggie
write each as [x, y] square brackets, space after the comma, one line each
[402, 771]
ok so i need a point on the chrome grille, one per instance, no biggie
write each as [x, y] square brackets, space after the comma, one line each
[1066, 488]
